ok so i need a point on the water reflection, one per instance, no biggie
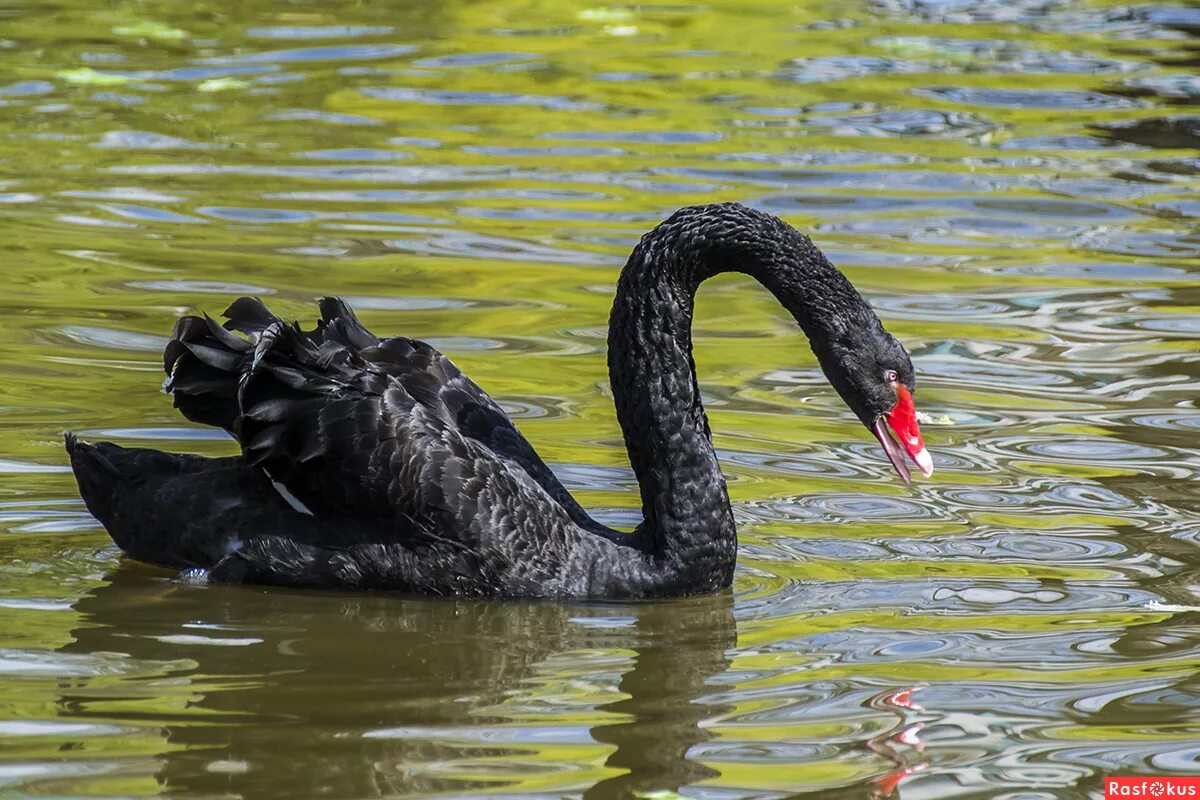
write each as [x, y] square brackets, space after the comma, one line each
[394, 695]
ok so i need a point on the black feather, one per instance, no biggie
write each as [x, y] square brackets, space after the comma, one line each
[249, 315]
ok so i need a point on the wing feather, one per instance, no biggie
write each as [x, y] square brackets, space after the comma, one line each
[350, 423]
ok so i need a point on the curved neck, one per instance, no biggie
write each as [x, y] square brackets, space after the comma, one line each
[688, 519]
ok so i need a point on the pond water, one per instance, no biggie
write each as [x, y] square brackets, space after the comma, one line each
[1012, 184]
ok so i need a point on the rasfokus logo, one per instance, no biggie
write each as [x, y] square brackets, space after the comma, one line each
[1151, 787]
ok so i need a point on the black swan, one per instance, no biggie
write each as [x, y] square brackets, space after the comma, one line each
[376, 464]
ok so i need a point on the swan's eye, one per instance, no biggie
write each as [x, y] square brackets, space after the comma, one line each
[890, 376]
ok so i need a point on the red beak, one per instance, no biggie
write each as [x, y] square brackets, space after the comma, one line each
[903, 421]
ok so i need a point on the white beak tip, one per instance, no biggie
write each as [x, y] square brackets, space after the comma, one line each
[924, 462]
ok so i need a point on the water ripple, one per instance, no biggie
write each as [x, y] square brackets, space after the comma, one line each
[340, 52]
[448, 97]
[1030, 98]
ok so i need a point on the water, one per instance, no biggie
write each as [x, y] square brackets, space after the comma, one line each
[1012, 185]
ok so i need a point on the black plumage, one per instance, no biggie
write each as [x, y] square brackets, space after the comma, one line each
[374, 463]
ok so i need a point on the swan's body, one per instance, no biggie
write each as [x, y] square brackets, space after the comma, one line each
[376, 464]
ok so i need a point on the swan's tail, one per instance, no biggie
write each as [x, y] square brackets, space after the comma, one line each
[96, 475]
[107, 474]
[209, 366]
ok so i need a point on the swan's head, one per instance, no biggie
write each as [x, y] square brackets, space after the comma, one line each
[874, 375]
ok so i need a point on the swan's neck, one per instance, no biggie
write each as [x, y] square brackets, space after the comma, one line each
[688, 519]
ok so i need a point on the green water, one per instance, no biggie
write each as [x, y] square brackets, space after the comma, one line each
[1012, 184]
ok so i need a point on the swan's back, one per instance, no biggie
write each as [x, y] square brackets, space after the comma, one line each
[333, 412]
